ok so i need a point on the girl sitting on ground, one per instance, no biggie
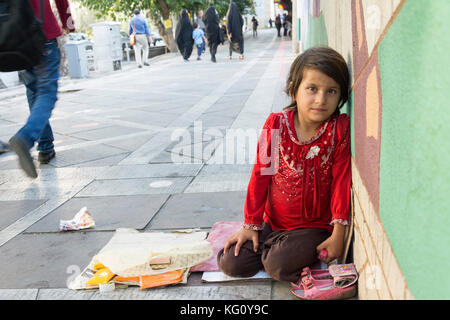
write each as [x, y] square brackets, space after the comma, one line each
[298, 197]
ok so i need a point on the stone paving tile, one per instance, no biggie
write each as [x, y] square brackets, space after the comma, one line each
[21, 294]
[219, 183]
[39, 189]
[17, 178]
[171, 107]
[10, 164]
[48, 260]
[79, 155]
[213, 120]
[151, 170]
[135, 187]
[62, 140]
[69, 126]
[64, 294]
[199, 210]
[108, 161]
[168, 157]
[8, 130]
[155, 118]
[111, 131]
[281, 290]
[180, 292]
[11, 211]
[109, 213]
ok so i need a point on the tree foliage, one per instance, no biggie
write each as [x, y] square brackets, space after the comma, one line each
[162, 10]
[127, 7]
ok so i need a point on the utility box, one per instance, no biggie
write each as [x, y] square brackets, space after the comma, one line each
[77, 53]
[107, 46]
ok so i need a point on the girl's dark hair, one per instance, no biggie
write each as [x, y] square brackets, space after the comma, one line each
[325, 60]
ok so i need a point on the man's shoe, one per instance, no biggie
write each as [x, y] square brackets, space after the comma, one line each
[213, 59]
[45, 157]
[146, 64]
[139, 66]
[25, 159]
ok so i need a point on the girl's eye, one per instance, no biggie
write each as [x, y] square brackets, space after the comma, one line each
[332, 91]
[312, 89]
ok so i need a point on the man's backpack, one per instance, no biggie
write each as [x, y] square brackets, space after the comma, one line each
[22, 36]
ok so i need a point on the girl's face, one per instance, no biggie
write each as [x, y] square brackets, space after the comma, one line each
[317, 96]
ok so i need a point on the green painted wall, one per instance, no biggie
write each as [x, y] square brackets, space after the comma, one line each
[415, 143]
[317, 33]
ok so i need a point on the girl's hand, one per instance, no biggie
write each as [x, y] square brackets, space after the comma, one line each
[240, 238]
[334, 244]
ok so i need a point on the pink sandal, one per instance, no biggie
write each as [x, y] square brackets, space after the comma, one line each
[315, 274]
[340, 283]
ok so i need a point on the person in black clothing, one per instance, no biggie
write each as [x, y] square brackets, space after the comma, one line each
[213, 31]
[183, 35]
[234, 30]
[255, 27]
[278, 24]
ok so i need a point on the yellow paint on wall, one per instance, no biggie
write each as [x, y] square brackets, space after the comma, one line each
[359, 24]
[372, 105]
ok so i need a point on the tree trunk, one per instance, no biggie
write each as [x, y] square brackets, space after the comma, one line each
[166, 33]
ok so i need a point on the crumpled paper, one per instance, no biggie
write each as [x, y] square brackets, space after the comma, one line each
[82, 220]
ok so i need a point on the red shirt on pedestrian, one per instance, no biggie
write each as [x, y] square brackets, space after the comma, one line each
[51, 27]
[300, 184]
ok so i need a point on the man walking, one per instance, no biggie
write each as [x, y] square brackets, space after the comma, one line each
[138, 26]
[41, 84]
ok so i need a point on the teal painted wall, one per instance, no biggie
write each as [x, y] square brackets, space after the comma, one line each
[317, 33]
[415, 143]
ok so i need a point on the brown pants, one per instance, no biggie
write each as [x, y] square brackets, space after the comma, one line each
[282, 254]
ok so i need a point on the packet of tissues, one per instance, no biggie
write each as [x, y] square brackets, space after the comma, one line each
[82, 220]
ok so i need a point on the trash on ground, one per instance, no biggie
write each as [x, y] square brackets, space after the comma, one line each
[82, 220]
[144, 259]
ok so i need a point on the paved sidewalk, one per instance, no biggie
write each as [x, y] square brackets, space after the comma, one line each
[154, 149]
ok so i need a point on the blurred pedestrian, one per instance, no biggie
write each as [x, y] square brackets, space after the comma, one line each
[139, 27]
[255, 27]
[183, 35]
[199, 39]
[278, 24]
[41, 84]
[284, 24]
[270, 22]
[201, 23]
[213, 31]
[234, 30]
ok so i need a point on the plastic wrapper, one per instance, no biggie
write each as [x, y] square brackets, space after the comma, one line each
[102, 276]
[82, 220]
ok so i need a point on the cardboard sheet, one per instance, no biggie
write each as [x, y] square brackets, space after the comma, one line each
[217, 237]
[218, 276]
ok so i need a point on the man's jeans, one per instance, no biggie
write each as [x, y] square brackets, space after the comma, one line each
[42, 87]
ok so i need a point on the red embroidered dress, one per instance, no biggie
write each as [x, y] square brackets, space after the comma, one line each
[300, 184]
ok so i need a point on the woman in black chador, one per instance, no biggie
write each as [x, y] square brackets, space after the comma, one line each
[234, 30]
[183, 35]
[213, 31]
